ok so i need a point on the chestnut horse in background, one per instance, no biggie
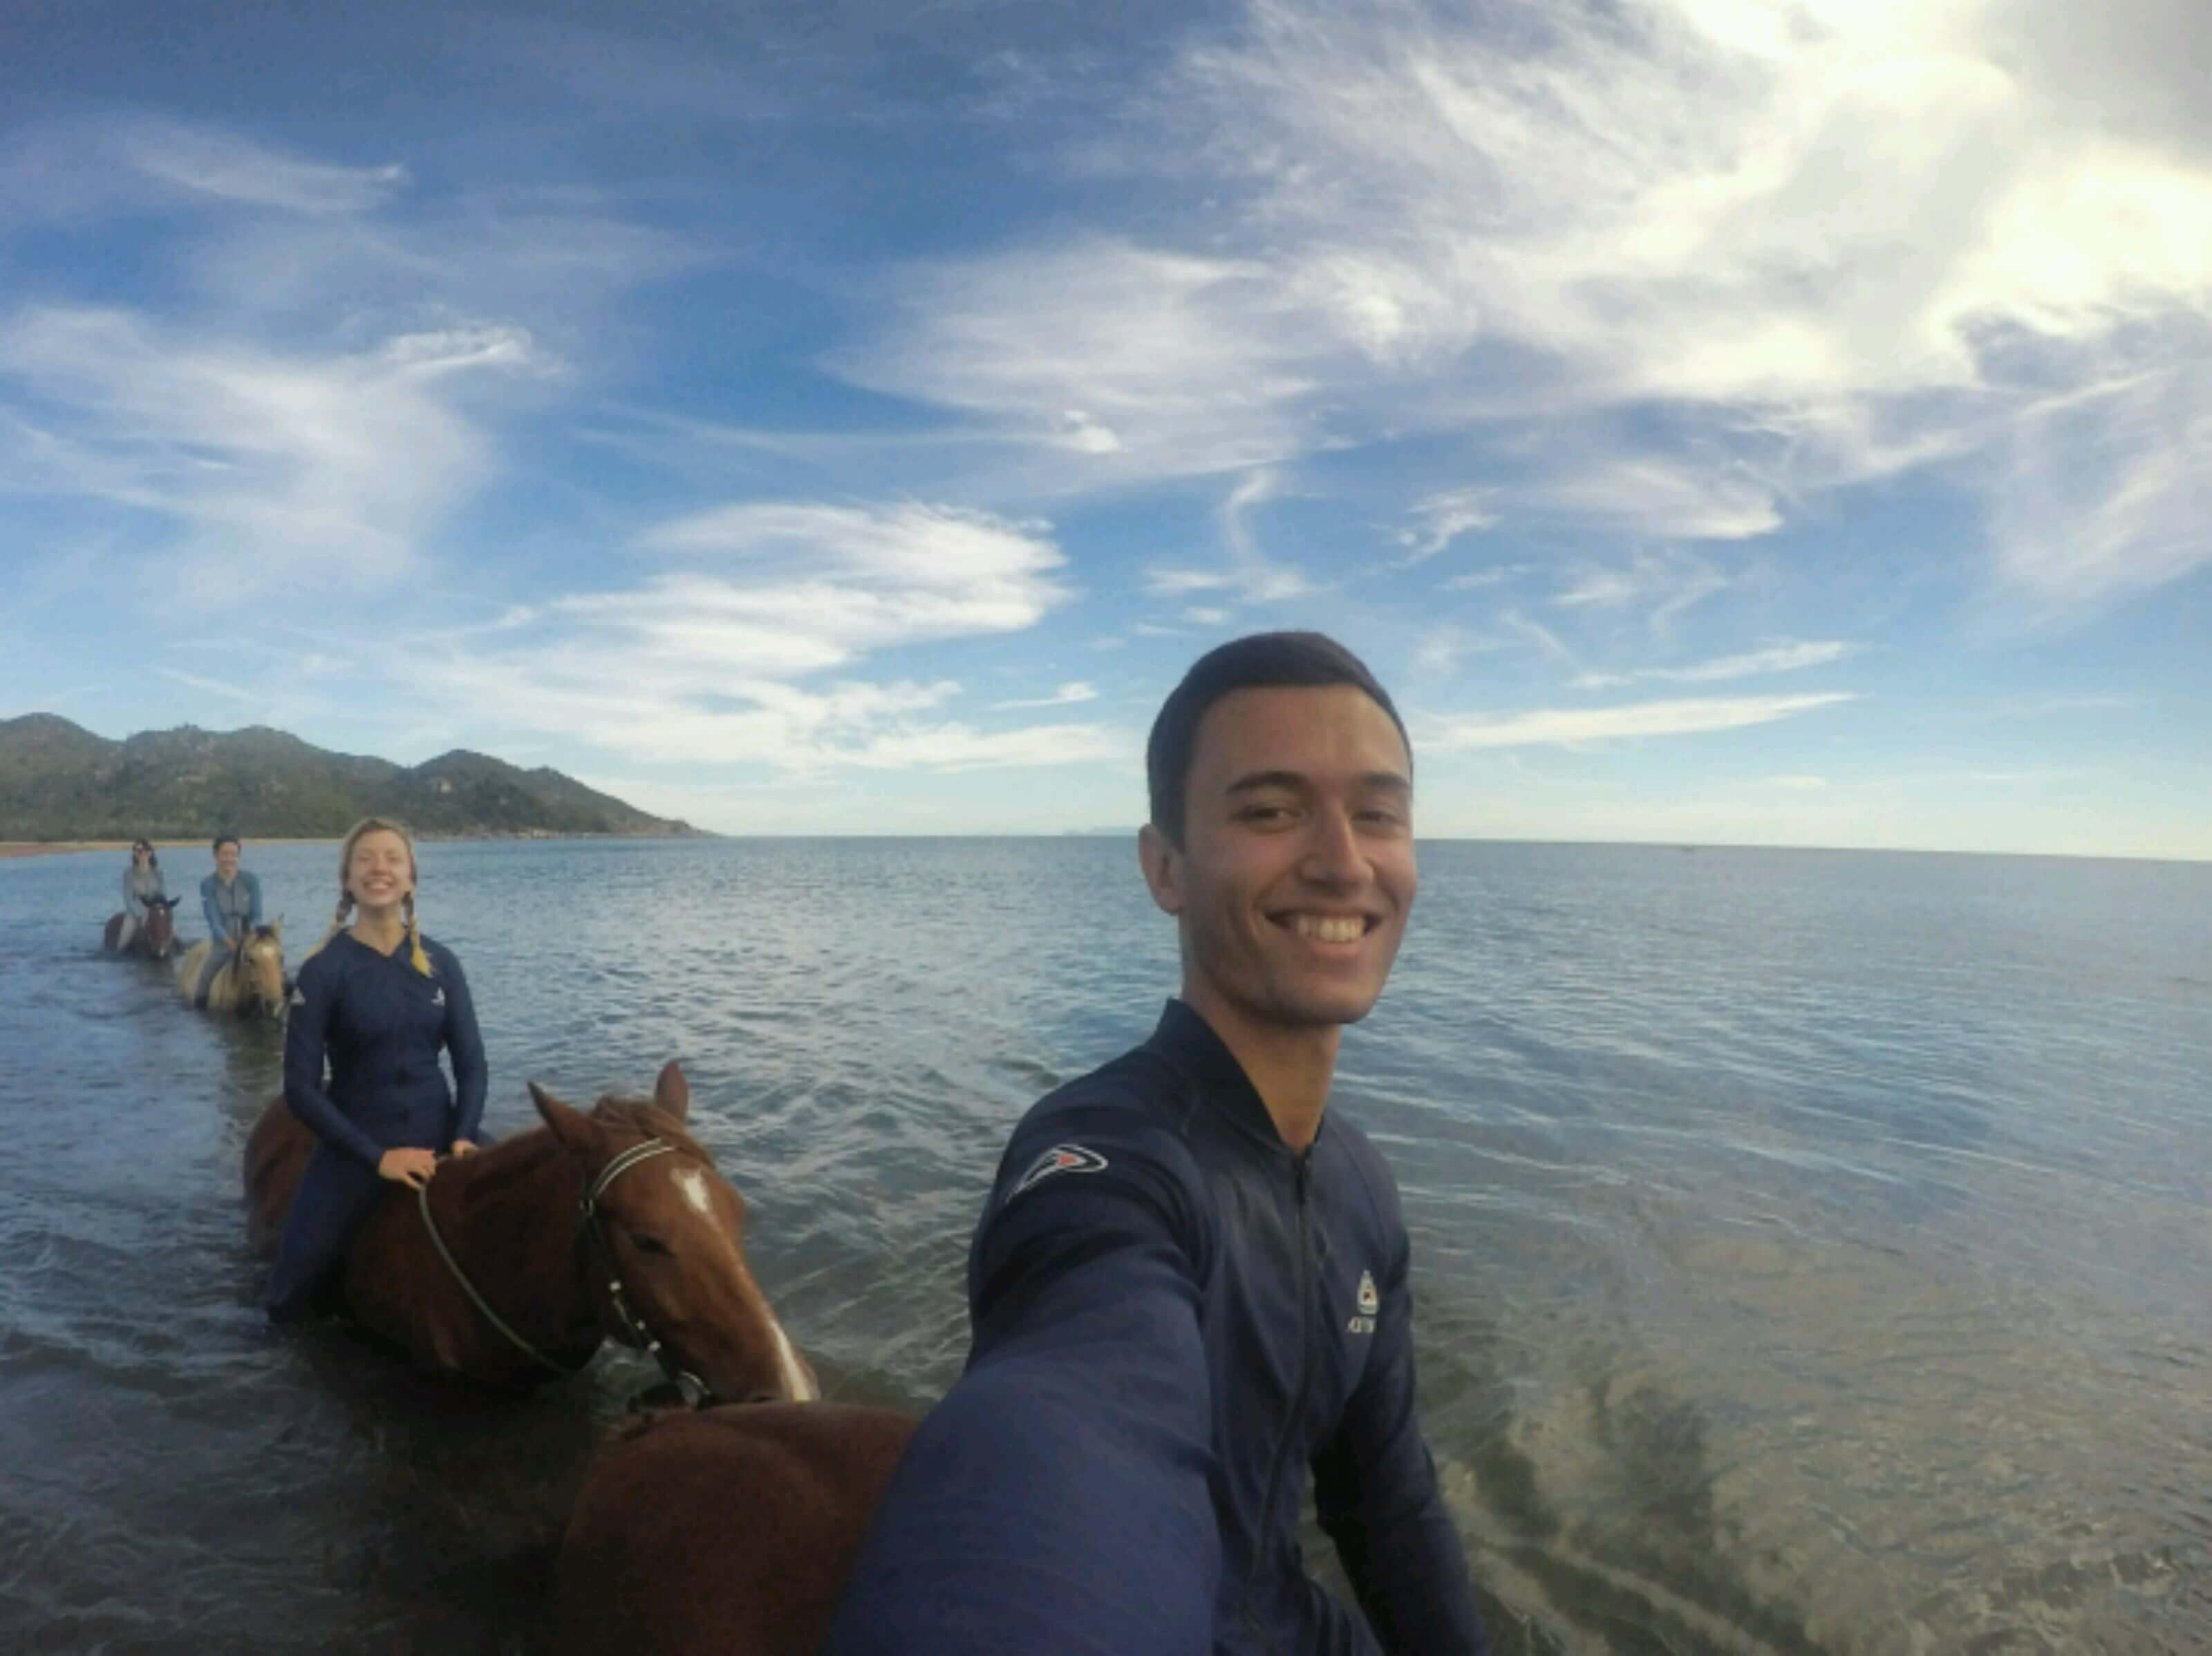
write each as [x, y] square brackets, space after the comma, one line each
[251, 980]
[513, 1265]
[152, 937]
[727, 1533]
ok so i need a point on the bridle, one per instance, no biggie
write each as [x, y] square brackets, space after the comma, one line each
[632, 1329]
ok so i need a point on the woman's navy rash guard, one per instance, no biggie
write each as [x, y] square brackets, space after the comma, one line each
[1174, 1315]
[382, 1024]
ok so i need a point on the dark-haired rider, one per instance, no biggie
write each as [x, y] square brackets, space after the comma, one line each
[1189, 1285]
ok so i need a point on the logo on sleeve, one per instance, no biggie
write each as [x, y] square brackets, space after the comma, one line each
[299, 996]
[1060, 1158]
[1370, 1302]
[438, 996]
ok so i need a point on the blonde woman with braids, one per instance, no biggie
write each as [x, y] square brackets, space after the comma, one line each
[375, 1003]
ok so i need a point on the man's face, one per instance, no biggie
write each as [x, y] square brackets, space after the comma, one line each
[226, 858]
[1295, 873]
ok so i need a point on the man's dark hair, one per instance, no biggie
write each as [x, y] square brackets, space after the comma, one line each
[225, 838]
[1263, 661]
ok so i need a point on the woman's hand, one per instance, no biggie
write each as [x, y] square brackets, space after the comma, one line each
[407, 1166]
[464, 1147]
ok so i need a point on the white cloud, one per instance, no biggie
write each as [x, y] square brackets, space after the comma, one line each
[1832, 240]
[1065, 695]
[2108, 490]
[1774, 659]
[723, 662]
[1561, 725]
[1667, 584]
[212, 162]
[1442, 519]
[273, 466]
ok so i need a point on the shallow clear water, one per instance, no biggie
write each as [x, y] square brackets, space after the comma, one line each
[1813, 1249]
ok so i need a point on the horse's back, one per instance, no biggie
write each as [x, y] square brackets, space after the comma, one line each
[729, 1531]
[111, 938]
[276, 1153]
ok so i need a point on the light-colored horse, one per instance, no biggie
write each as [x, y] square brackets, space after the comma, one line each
[251, 980]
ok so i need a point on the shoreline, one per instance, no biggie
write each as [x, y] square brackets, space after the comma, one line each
[16, 848]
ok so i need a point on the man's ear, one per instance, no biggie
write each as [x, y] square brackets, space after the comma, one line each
[1163, 865]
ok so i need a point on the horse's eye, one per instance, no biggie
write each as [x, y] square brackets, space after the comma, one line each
[645, 1242]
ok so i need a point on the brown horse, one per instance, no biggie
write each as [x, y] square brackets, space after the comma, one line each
[727, 1532]
[251, 980]
[152, 937]
[513, 1264]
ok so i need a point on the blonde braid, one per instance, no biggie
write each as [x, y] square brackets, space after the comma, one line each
[421, 960]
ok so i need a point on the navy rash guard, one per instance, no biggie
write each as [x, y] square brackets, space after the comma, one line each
[381, 1023]
[1173, 1314]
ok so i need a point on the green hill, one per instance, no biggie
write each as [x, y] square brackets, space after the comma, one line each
[59, 781]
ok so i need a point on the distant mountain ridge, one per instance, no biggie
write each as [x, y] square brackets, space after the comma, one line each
[59, 781]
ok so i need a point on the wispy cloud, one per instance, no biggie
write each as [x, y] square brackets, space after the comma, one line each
[212, 162]
[1065, 695]
[1568, 726]
[212, 686]
[1834, 241]
[1442, 519]
[269, 465]
[728, 660]
[1249, 573]
[1774, 659]
[1667, 583]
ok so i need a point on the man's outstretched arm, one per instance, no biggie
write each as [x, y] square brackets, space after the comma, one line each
[1056, 1503]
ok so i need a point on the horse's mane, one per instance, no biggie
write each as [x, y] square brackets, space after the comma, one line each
[527, 1155]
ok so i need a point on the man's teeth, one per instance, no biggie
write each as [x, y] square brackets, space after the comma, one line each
[1332, 928]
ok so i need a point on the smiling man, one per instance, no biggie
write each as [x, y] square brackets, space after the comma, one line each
[1189, 1282]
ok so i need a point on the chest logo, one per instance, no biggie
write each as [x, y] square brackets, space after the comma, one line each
[298, 997]
[438, 997]
[1369, 1303]
[1060, 1158]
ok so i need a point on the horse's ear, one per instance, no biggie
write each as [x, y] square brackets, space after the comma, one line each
[578, 1134]
[670, 1092]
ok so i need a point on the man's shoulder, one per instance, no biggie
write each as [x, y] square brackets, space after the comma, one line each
[1123, 1115]
[207, 885]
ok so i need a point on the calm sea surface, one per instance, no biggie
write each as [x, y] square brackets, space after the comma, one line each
[1814, 1250]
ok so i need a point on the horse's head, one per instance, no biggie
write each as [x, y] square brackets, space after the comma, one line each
[160, 928]
[260, 960]
[671, 1233]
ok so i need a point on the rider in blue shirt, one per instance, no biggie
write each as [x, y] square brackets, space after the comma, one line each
[374, 1006]
[230, 902]
[1190, 1280]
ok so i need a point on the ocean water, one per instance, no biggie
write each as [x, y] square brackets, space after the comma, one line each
[1814, 1250]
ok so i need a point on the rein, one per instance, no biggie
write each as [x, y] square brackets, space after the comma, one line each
[633, 1333]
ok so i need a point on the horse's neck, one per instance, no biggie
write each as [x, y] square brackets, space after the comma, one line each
[512, 1229]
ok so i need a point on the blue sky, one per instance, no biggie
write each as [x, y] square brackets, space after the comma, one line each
[1718, 420]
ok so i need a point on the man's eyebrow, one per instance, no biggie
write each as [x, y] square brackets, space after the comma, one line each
[1388, 781]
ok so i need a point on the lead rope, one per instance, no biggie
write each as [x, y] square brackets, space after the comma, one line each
[423, 1201]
